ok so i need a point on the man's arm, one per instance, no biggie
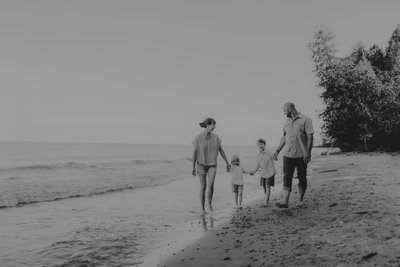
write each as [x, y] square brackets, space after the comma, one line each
[194, 161]
[310, 141]
[309, 129]
[279, 148]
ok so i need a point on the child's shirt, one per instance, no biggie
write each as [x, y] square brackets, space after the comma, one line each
[265, 162]
[237, 174]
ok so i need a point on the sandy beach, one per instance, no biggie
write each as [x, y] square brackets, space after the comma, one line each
[351, 218]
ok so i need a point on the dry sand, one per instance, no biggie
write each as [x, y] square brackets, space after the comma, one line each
[351, 218]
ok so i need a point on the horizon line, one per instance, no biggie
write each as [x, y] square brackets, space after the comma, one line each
[110, 143]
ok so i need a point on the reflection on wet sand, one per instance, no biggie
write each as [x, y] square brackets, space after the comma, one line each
[207, 221]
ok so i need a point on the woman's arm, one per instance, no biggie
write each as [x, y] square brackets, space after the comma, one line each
[222, 152]
[194, 161]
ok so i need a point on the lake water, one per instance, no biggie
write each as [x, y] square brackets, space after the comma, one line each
[100, 204]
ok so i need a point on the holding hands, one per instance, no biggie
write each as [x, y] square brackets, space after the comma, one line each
[228, 167]
[275, 155]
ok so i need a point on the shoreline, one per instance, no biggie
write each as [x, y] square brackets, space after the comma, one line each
[182, 235]
[351, 218]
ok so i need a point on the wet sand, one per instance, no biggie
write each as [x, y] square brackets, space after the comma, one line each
[351, 218]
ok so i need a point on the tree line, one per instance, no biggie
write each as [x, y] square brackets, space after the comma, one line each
[360, 92]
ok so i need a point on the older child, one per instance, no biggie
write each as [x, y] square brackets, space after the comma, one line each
[266, 165]
[237, 180]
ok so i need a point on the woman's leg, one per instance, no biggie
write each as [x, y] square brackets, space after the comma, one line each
[203, 186]
[210, 186]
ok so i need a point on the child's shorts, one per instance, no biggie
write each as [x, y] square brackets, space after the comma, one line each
[267, 181]
[235, 188]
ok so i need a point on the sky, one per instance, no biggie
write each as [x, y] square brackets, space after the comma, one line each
[147, 72]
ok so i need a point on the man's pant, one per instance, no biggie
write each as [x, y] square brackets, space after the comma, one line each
[289, 164]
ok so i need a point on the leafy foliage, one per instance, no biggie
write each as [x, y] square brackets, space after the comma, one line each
[361, 93]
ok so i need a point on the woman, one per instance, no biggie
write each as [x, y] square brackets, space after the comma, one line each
[206, 147]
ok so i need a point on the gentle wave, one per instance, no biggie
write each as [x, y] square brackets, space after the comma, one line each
[67, 165]
[19, 203]
[35, 183]
[15, 178]
[97, 246]
[80, 166]
[142, 162]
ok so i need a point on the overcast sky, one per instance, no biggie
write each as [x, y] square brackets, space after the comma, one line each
[150, 71]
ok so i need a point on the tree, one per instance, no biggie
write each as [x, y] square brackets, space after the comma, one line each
[360, 92]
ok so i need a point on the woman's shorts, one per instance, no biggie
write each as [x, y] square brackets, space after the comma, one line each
[203, 169]
[235, 188]
[267, 181]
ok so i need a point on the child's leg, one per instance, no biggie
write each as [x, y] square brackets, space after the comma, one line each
[270, 182]
[267, 194]
[235, 192]
[263, 181]
[240, 192]
[236, 198]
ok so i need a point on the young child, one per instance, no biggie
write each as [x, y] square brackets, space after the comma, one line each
[237, 180]
[266, 165]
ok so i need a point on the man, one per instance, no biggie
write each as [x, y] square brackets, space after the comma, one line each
[297, 141]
